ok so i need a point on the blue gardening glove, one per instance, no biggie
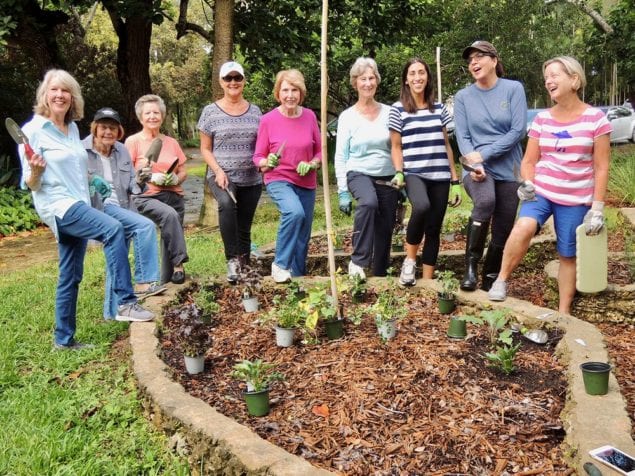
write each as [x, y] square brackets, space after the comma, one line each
[99, 185]
[527, 191]
[272, 160]
[304, 168]
[399, 179]
[594, 219]
[455, 194]
[346, 202]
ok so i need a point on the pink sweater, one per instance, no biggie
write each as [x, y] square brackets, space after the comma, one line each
[302, 136]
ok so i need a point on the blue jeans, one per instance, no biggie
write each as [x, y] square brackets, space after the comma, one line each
[295, 205]
[143, 233]
[80, 224]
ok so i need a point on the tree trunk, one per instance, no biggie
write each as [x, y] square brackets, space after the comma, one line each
[222, 51]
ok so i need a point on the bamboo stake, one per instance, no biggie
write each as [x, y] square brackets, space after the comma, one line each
[439, 74]
[325, 172]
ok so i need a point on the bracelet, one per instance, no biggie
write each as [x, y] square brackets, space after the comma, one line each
[455, 182]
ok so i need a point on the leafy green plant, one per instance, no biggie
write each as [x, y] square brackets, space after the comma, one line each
[258, 375]
[191, 333]
[622, 178]
[455, 221]
[449, 284]
[391, 304]
[205, 299]
[16, 211]
[319, 304]
[286, 312]
[503, 358]
[496, 322]
[355, 286]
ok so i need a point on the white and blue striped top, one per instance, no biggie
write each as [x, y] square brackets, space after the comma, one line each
[422, 140]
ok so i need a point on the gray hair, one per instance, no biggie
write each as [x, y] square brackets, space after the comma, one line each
[362, 64]
[571, 66]
[149, 98]
[64, 79]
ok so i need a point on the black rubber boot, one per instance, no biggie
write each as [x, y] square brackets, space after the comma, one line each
[476, 234]
[492, 265]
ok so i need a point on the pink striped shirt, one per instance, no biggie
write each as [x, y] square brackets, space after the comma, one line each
[564, 173]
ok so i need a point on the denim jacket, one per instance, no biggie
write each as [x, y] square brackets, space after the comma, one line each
[123, 174]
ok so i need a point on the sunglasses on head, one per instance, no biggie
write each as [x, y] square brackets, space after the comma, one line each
[233, 77]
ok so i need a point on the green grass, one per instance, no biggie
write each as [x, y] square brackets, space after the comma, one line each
[622, 175]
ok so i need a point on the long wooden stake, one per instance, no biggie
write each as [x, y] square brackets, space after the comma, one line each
[325, 171]
[440, 100]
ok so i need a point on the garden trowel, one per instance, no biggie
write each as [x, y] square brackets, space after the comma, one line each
[592, 261]
[18, 136]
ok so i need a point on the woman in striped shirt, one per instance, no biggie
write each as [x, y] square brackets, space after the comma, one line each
[565, 167]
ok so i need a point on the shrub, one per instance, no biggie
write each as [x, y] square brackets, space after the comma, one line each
[16, 211]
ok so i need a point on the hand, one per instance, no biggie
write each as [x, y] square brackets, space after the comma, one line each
[304, 168]
[37, 164]
[479, 174]
[272, 160]
[143, 174]
[171, 179]
[399, 179]
[221, 178]
[474, 158]
[455, 194]
[594, 219]
[346, 202]
[527, 191]
[158, 178]
[99, 185]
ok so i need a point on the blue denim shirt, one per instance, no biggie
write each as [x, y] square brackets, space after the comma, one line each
[65, 178]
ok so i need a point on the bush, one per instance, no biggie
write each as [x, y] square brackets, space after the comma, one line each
[16, 211]
[622, 176]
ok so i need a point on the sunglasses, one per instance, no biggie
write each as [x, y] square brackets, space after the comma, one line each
[477, 56]
[233, 77]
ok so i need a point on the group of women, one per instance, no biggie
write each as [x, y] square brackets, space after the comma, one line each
[381, 153]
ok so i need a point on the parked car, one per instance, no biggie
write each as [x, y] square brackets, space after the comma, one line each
[622, 119]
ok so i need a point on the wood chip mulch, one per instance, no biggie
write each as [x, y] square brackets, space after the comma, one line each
[418, 404]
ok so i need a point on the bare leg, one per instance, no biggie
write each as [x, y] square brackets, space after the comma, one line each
[428, 271]
[566, 283]
[517, 245]
[411, 251]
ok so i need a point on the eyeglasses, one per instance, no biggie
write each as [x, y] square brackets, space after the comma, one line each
[233, 77]
[476, 56]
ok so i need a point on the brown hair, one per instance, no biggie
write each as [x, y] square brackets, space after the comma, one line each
[405, 95]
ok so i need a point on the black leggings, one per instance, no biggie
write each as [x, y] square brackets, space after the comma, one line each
[429, 201]
[495, 200]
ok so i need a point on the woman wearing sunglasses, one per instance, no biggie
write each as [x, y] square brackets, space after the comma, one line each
[228, 130]
[491, 121]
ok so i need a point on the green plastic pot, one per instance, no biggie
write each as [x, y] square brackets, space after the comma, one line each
[596, 377]
[446, 306]
[457, 328]
[334, 329]
[257, 402]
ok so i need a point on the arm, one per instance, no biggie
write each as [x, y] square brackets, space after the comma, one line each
[461, 131]
[262, 148]
[207, 145]
[396, 152]
[37, 165]
[530, 159]
[601, 160]
[342, 150]
[316, 161]
[448, 149]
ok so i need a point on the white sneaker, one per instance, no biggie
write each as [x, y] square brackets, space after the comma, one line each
[133, 312]
[279, 274]
[356, 270]
[498, 291]
[408, 271]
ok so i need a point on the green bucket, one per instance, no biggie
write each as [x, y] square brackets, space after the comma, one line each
[596, 377]
[257, 402]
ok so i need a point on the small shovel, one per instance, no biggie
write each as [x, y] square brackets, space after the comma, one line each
[153, 152]
[19, 136]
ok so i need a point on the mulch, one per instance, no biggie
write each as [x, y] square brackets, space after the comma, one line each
[419, 404]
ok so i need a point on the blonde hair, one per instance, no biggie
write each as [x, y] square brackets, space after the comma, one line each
[293, 77]
[360, 66]
[65, 80]
[93, 127]
[149, 98]
[571, 66]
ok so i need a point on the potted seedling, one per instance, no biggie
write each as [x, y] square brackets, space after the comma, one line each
[353, 285]
[447, 295]
[205, 299]
[287, 314]
[390, 307]
[320, 305]
[192, 336]
[251, 281]
[258, 376]
[454, 223]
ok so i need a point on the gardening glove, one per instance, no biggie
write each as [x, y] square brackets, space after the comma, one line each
[171, 179]
[304, 168]
[455, 194]
[594, 219]
[272, 160]
[99, 185]
[346, 202]
[158, 178]
[143, 175]
[527, 191]
[399, 179]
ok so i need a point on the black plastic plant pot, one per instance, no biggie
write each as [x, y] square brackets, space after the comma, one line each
[334, 329]
[596, 377]
[257, 402]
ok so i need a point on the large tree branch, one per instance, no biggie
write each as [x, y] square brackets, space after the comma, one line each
[597, 18]
[183, 27]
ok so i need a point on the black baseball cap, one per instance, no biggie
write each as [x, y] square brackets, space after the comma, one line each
[107, 113]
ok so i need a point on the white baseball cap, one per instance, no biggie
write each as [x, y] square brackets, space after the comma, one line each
[230, 66]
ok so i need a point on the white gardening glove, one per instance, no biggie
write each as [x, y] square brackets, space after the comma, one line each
[527, 191]
[158, 178]
[594, 219]
[171, 179]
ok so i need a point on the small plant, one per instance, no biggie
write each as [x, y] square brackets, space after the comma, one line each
[258, 375]
[205, 299]
[391, 304]
[191, 333]
[449, 284]
[295, 290]
[286, 312]
[496, 321]
[503, 358]
[250, 279]
[319, 304]
[353, 285]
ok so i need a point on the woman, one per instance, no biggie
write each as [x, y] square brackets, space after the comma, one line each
[228, 131]
[58, 178]
[565, 167]
[491, 121]
[162, 200]
[288, 152]
[422, 154]
[362, 157]
[108, 158]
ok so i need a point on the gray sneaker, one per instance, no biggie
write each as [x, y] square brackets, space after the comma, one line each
[73, 346]
[498, 291]
[233, 267]
[133, 312]
[152, 290]
[408, 272]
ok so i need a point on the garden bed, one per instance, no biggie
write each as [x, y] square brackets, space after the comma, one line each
[420, 403]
